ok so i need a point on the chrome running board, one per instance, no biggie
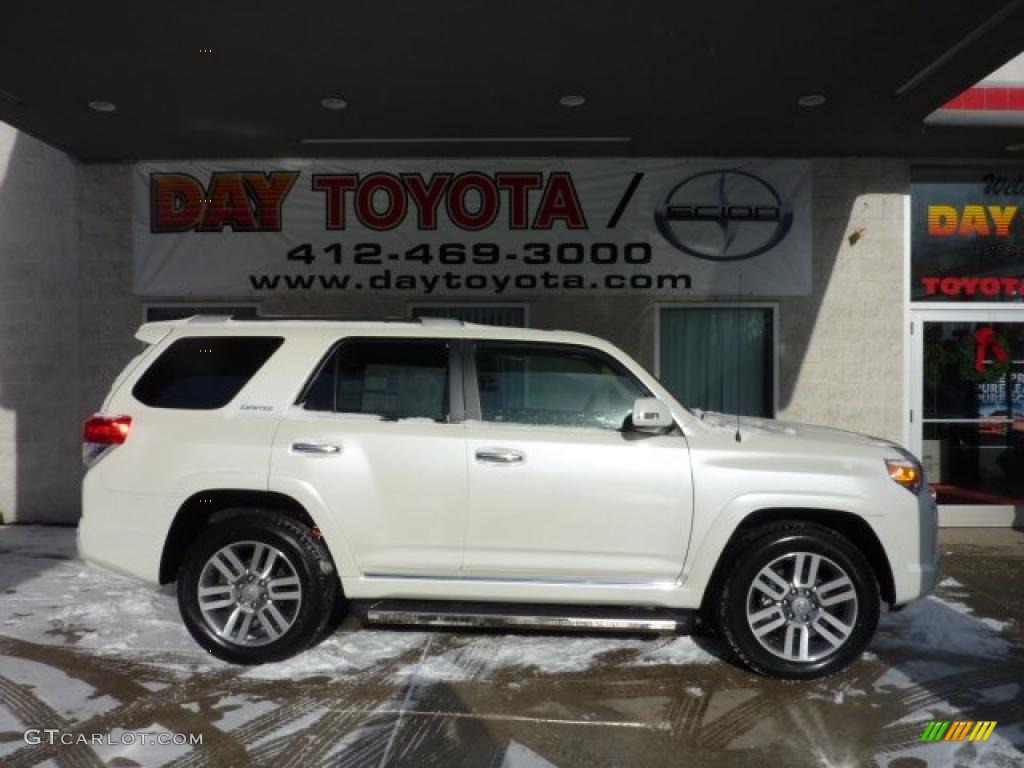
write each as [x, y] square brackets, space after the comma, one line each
[561, 618]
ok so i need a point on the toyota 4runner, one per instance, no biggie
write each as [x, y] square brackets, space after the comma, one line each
[442, 473]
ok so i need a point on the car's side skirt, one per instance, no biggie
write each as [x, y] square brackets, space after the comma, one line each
[477, 615]
[547, 591]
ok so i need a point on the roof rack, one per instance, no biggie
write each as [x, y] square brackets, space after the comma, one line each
[442, 321]
[429, 321]
[209, 319]
[314, 318]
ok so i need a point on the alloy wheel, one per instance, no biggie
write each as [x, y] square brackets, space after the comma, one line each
[802, 607]
[249, 593]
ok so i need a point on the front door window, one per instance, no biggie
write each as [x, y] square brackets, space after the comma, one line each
[552, 385]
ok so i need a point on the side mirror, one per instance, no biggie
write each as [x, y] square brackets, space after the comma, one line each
[650, 414]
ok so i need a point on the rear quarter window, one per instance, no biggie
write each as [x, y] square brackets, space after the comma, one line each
[203, 372]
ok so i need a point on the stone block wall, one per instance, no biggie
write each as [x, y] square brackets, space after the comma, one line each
[40, 431]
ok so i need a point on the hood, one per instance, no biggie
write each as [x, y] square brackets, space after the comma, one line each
[750, 427]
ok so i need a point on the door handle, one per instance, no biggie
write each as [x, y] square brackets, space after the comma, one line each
[315, 449]
[500, 456]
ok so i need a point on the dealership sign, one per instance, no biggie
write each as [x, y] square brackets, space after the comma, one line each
[482, 228]
[967, 234]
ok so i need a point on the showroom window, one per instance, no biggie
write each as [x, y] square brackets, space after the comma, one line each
[553, 385]
[400, 379]
[509, 315]
[720, 357]
[972, 410]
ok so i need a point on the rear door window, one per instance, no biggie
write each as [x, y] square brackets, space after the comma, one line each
[397, 379]
[203, 372]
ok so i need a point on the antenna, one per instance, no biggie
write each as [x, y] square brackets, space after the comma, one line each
[739, 345]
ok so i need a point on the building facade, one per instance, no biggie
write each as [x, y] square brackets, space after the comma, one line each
[839, 351]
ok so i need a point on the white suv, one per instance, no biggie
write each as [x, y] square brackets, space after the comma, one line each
[443, 473]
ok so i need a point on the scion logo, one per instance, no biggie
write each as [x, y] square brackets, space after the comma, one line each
[725, 215]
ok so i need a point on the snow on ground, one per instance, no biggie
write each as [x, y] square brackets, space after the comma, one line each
[915, 670]
[71, 696]
[47, 595]
[519, 756]
[942, 625]
[484, 656]
[344, 653]
[119, 747]
[59, 598]
[50, 598]
[107, 612]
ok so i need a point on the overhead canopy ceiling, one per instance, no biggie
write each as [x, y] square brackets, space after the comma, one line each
[465, 77]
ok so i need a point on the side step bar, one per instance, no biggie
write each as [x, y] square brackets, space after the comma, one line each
[563, 618]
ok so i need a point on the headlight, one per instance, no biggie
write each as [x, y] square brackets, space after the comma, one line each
[906, 470]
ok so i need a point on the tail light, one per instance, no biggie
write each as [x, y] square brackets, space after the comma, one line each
[101, 433]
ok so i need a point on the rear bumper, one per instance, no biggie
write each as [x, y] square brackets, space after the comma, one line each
[124, 532]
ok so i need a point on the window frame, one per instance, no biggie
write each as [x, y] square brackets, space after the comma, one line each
[471, 384]
[456, 401]
[776, 334]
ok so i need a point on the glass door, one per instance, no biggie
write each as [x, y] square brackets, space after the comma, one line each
[967, 422]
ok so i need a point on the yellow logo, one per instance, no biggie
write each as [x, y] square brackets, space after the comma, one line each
[958, 730]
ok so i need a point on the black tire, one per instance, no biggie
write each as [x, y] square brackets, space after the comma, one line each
[299, 555]
[777, 545]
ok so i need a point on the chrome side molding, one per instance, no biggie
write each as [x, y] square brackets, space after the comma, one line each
[564, 618]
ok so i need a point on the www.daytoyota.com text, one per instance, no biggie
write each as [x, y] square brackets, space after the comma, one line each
[548, 260]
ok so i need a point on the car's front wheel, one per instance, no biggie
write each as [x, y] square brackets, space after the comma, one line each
[801, 601]
[256, 588]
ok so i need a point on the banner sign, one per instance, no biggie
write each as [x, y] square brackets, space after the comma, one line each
[967, 234]
[481, 228]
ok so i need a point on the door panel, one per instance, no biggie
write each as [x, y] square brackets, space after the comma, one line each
[378, 433]
[397, 488]
[558, 489]
[581, 504]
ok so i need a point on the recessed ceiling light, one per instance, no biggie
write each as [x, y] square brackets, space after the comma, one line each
[102, 106]
[811, 100]
[333, 103]
[572, 100]
[1015, 147]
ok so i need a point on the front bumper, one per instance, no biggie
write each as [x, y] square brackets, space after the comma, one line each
[915, 541]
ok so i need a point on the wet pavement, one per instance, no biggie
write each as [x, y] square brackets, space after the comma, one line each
[101, 658]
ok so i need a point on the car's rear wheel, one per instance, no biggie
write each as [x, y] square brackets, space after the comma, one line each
[256, 588]
[801, 603]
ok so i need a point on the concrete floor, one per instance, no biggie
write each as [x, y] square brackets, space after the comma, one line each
[91, 653]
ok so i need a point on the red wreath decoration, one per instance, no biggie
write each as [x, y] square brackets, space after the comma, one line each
[975, 349]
